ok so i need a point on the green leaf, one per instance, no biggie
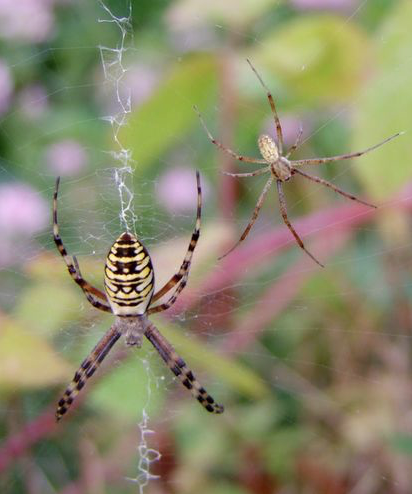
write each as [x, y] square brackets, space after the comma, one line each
[197, 355]
[27, 360]
[128, 390]
[225, 487]
[279, 452]
[185, 13]
[402, 443]
[46, 306]
[169, 113]
[319, 58]
[385, 109]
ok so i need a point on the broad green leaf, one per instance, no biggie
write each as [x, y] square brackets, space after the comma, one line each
[49, 267]
[169, 113]
[184, 14]
[128, 390]
[197, 445]
[197, 355]
[385, 108]
[27, 360]
[319, 58]
[402, 443]
[46, 306]
[281, 447]
[168, 255]
[255, 420]
[225, 487]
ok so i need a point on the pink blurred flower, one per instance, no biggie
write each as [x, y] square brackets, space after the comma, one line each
[290, 129]
[22, 210]
[141, 81]
[176, 190]
[323, 4]
[26, 20]
[66, 157]
[135, 87]
[6, 86]
[33, 101]
[188, 30]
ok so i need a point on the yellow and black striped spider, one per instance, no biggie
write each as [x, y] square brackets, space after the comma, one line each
[129, 286]
[281, 169]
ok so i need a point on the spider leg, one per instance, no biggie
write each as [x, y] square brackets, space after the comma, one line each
[333, 187]
[254, 216]
[172, 299]
[86, 370]
[179, 368]
[218, 144]
[284, 213]
[273, 107]
[251, 174]
[92, 293]
[318, 161]
[296, 143]
[185, 267]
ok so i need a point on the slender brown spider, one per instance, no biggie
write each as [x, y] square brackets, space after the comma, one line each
[281, 169]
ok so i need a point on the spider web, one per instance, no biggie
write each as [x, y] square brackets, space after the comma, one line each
[114, 73]
[112, 59]
[123, 207]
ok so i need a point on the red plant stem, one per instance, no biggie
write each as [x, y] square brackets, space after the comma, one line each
[279, 294]
[18, 444]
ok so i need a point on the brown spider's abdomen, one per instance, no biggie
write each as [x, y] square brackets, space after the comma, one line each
[128, 276]
[268, 149]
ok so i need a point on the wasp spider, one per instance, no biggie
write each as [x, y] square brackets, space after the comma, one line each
[281, 169]
[129, 286]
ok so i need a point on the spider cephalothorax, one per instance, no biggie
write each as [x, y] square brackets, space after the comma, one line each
[129, 286]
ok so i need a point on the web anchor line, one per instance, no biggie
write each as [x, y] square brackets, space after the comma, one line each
[114, 70]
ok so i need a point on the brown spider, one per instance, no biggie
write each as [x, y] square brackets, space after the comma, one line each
[281, 169]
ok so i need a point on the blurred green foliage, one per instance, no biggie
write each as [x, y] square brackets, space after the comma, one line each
[162, 121]
[318, 399]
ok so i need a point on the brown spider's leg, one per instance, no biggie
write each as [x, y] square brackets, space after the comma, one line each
[179, 368]
[318, 161]
[251, 174]
[254, 217]
[86, 370]
[185, 267]
[238, 157]
[283, 210]
[296, 143]
[273, 107]
[73, 266]
[333, 187]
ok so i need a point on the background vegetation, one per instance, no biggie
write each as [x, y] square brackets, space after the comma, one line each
[313, 366]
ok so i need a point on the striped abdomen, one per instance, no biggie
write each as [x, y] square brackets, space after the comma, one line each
[128, 276]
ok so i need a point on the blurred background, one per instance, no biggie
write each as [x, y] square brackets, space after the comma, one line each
[313, 365]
